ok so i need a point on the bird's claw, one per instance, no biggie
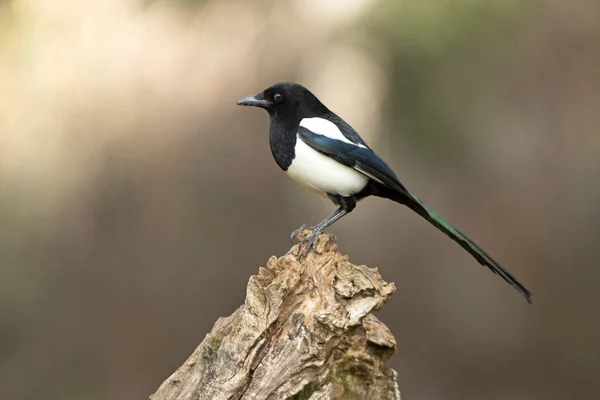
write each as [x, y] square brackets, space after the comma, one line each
[332, 238]
[311, 243]
[296, 232]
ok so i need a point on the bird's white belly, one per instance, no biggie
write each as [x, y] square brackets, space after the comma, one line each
[324, 174]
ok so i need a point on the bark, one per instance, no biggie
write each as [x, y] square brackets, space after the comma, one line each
[306, 331]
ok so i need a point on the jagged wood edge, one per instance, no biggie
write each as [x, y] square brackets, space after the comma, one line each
[306, 331]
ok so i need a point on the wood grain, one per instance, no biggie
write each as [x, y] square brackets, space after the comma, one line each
[306, 331]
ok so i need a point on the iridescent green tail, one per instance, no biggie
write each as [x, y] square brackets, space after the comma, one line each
[480, 255]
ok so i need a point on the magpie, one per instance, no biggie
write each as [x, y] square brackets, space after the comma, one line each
[322, 152]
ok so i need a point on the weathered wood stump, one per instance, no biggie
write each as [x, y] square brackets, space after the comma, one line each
[306, 331]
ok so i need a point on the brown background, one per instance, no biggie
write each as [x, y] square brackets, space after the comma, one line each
[136, 198]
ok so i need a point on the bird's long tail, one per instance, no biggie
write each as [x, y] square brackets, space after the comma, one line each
[480, 255]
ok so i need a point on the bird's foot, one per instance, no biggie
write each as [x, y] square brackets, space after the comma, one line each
[298, 231]
[311, 243]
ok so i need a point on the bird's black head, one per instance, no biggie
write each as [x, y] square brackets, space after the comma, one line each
[286, 100]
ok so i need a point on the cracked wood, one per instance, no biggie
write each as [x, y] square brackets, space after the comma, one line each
[305, 332]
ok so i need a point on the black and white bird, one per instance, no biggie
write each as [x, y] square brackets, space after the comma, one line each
[321, 151]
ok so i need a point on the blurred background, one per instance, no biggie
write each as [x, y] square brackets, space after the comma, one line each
[136, 198]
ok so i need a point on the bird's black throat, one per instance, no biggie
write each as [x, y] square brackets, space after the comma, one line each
[282, 139]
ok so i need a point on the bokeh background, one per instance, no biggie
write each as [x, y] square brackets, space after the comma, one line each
[136, 198]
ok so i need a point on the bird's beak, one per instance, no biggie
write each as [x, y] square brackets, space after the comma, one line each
[255, 100]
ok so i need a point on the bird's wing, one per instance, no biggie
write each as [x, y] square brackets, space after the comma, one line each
[346, 129]
[354, 155]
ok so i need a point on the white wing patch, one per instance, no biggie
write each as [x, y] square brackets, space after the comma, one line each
[323, 127]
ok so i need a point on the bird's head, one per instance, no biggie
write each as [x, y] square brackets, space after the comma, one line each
[286, 99]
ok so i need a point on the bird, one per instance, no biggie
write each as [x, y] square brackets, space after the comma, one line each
[322, 152]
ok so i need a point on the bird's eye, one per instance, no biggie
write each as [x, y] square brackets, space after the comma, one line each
[277, 97]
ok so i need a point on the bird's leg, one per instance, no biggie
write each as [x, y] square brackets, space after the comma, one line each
[312, 239]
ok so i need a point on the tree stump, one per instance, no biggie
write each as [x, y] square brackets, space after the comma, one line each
[306, 331]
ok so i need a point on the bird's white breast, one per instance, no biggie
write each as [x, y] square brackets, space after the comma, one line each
[324, 174]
